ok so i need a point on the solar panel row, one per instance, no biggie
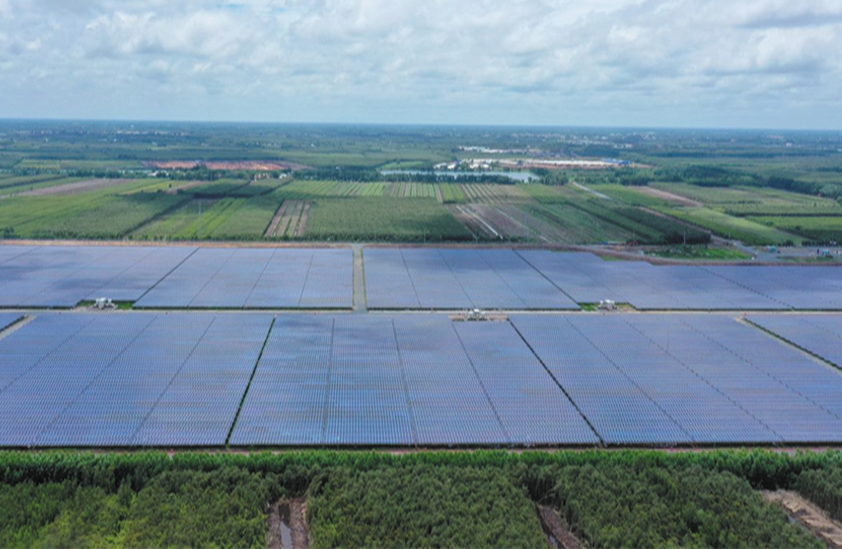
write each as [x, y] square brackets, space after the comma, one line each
[407, 278]
[396, 278]
[818, 334]
[686, 378]
[402, 381]
[589, 279]
[257, 278]
[795, 286]
[126, 380]
[62, 276]
[178, 380]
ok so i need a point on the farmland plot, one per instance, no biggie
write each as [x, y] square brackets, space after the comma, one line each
[383, 219]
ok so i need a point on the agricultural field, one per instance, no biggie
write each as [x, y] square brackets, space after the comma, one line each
[216, 219]
[730, 227]
[384, 219]
[746, 186]
[95, 214]
[355, 499]
[815, 228]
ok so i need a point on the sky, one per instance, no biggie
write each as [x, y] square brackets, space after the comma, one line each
[672, 63]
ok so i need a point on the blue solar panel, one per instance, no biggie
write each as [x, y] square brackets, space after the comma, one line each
[528, 402]
[257, 278]
[126, 379]
[797, 287]
[589, 279]
[817, 334]
[618, 408]
[61, 276]
[447, 400]
[285, 404]
[428, 278]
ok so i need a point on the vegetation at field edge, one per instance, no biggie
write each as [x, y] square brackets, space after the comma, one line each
[484, 498]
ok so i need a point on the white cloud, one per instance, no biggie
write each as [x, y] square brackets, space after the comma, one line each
[553, 61]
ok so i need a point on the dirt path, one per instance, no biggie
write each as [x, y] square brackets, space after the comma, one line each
[298, 523]
[589, 190]
[811, 516]
[658, 193]
[556, 530]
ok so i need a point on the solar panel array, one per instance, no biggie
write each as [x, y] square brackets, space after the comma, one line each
[795, 286]
[686, 378]
[818, 334]
[590, 279]
[126, 379]
[401, 381]
[178, 379]
[257, 278]
[427, 278]
[62, 276]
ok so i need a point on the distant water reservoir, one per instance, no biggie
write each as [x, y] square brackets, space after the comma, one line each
[517, 176]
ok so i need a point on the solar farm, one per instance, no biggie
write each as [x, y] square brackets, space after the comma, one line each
[266, 347]
[154, 378]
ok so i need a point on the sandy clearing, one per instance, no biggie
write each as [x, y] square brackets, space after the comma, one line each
[808, 514]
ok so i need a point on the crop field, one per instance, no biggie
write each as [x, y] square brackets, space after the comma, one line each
[443, 192]
[97, 214]
[731, 227]
[819, 228]
[219, 219]
[290, 221]
[243, 209]
[377, 219]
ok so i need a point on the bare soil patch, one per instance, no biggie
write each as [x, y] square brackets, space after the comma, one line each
[658, 193]
[808, 514]
[288, 525]
[76, 188]
[558, 535]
